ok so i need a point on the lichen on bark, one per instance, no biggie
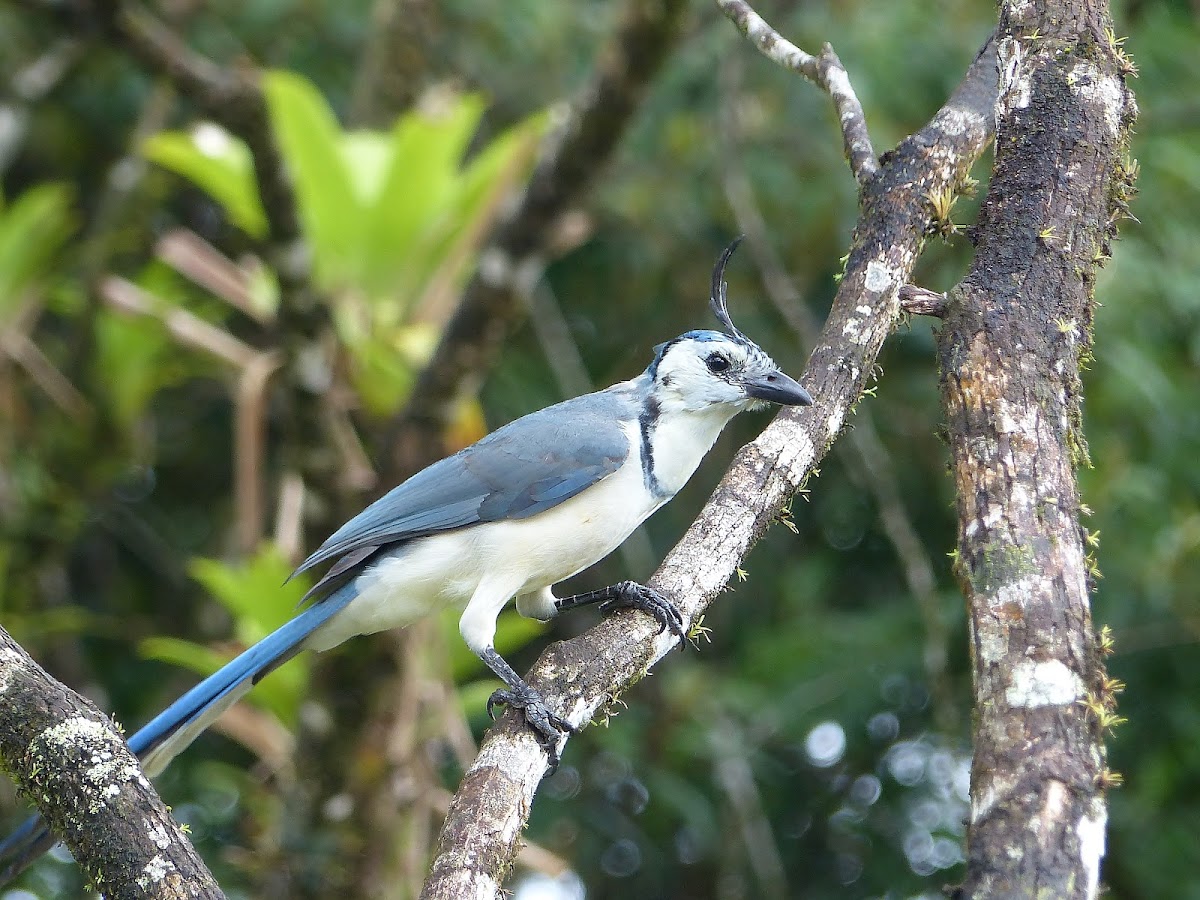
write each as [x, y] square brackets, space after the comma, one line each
[1015, 335]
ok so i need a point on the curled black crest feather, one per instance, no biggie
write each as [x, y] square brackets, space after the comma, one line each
[717, 298]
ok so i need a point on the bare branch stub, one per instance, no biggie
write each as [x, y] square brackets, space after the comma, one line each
[579, 677]
[825, 71]
[67, 755]
[1010, 349]
[919, 301]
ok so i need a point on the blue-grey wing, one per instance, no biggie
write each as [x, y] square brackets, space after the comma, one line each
[526, 467]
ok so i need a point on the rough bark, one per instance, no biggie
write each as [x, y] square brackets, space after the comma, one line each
[67, 757]
[1016, 333]
[580, 677]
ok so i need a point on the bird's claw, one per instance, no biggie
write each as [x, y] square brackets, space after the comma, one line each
[631, 595]
[547, 726]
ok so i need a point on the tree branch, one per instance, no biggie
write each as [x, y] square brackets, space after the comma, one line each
[825, 71]
[231, 95]
[1010, 350]
[67, 757]
[871, 464]
[580, 677]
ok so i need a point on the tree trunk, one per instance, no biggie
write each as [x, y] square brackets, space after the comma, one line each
[1016, 333]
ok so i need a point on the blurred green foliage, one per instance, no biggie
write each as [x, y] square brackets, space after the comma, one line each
[258, 601]
[33, 229]
[391, 220]
[218, 163]
[811, 716]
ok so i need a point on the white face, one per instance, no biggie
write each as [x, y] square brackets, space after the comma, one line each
[706, 368]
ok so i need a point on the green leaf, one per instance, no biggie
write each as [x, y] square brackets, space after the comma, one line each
[218, 163]
[134, 359]
[185, 654]
[253, 591]
[368, 157]
[441, 251]
[493, 172]
[280, 692]
[415, 196]
[259, 602]
[33, 229]
[381, 376]
[310, 140]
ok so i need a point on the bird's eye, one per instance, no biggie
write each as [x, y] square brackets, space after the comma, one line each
[716, 363]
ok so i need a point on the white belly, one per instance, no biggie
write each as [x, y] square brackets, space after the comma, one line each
[515, 556]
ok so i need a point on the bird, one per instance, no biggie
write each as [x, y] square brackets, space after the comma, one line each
[524, 508]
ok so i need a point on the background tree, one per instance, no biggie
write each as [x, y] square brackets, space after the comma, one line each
[819, 743]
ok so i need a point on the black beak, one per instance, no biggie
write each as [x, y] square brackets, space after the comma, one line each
[775, 387]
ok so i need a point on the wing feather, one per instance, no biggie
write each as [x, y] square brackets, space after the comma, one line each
[526, 467]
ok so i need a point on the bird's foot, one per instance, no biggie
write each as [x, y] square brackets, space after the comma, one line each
[548, 727]
[631, 595]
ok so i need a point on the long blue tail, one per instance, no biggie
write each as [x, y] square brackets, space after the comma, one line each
[166, 735]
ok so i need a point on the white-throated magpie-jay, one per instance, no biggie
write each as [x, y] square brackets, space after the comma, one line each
[526, 507]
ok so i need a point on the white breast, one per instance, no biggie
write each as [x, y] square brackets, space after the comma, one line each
[681, 438]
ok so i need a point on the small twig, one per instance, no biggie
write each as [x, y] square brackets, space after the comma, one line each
[736, 779]
[918, 301]
[198, 260]
[553, 333]
[566, 362]
[262, 734]
[188, 329]
[255, 368]
[357, 473]
[289, 516]
[21, 349]
[825, 71]
[249, 443]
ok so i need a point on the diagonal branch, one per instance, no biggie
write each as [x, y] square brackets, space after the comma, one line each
[825, 71]
[581, 676]
[871, 464]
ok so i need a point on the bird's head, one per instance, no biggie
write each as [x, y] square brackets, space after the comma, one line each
[702, 369]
